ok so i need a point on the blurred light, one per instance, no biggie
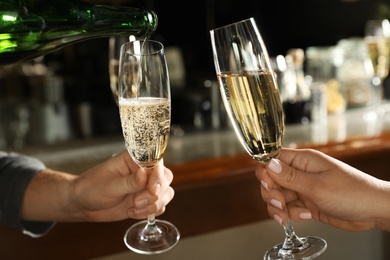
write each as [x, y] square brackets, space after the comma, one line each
[207, 83]
[386, 28]
[281, 63]
[8, 18]
[376, 81]
[5, 43]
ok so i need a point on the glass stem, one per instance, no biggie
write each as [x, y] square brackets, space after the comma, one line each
[291, 237]
[151, 231]
[151, 219]
[377, 99]
[292, 243]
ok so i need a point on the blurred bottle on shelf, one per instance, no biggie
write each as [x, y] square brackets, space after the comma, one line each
[297, 96]
[322, 65]
[356, 72]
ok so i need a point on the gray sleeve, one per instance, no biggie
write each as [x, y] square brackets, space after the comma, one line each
[16, 171]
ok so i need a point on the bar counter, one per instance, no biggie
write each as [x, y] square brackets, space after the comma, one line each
[214, 181]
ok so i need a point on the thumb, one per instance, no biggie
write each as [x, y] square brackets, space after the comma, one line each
[136, 182]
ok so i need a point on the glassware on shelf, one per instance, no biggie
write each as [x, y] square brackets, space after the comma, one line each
[322, 65]
[355, 73]
[377, 37]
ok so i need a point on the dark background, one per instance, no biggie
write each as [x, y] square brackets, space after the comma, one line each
[284, 24]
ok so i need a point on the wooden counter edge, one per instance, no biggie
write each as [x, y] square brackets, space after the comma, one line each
[211, 194]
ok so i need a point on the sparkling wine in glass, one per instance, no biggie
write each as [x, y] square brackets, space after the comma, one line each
[252, 101]
[145, 111]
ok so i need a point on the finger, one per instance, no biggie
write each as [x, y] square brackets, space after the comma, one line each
[143, 213]
[274, 197]
[279, 215]
[150, 204]
[124, 157]
[124, 176]
[289, 177]
[262, 175]
[160, 205]
[297, 212]
[146, 199]
[307, 160]
[289, 195]
[116, 178]
[293, 211]
[159, 179]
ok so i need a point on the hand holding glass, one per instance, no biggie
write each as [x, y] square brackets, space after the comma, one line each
[252, 101]
[145, 113]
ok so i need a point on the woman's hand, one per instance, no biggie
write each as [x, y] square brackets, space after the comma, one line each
[313, 185]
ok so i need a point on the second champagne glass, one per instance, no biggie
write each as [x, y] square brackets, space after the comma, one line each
[252, 101]
[145, 113]
[377, 37]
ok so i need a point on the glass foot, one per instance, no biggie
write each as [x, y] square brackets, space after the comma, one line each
[151, 239]
[311, 248]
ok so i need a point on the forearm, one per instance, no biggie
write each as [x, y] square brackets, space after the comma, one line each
[48, 198]
[381, 203]
[16, 172]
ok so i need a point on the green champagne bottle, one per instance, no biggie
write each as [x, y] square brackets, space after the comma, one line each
[32, 28]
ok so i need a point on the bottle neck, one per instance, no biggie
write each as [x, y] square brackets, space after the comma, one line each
[32, 29]
[110, 20]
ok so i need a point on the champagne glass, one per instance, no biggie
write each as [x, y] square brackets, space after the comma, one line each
[252, 101]
[145, 112]
[377, 37]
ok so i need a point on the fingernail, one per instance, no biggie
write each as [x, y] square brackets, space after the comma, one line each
[275, 166]
[264, 184]
[141, 203]
[276, 203]
[278, 219]
[305, 215]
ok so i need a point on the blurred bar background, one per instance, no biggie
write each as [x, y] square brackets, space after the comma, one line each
[60, 109]
[66, 94]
